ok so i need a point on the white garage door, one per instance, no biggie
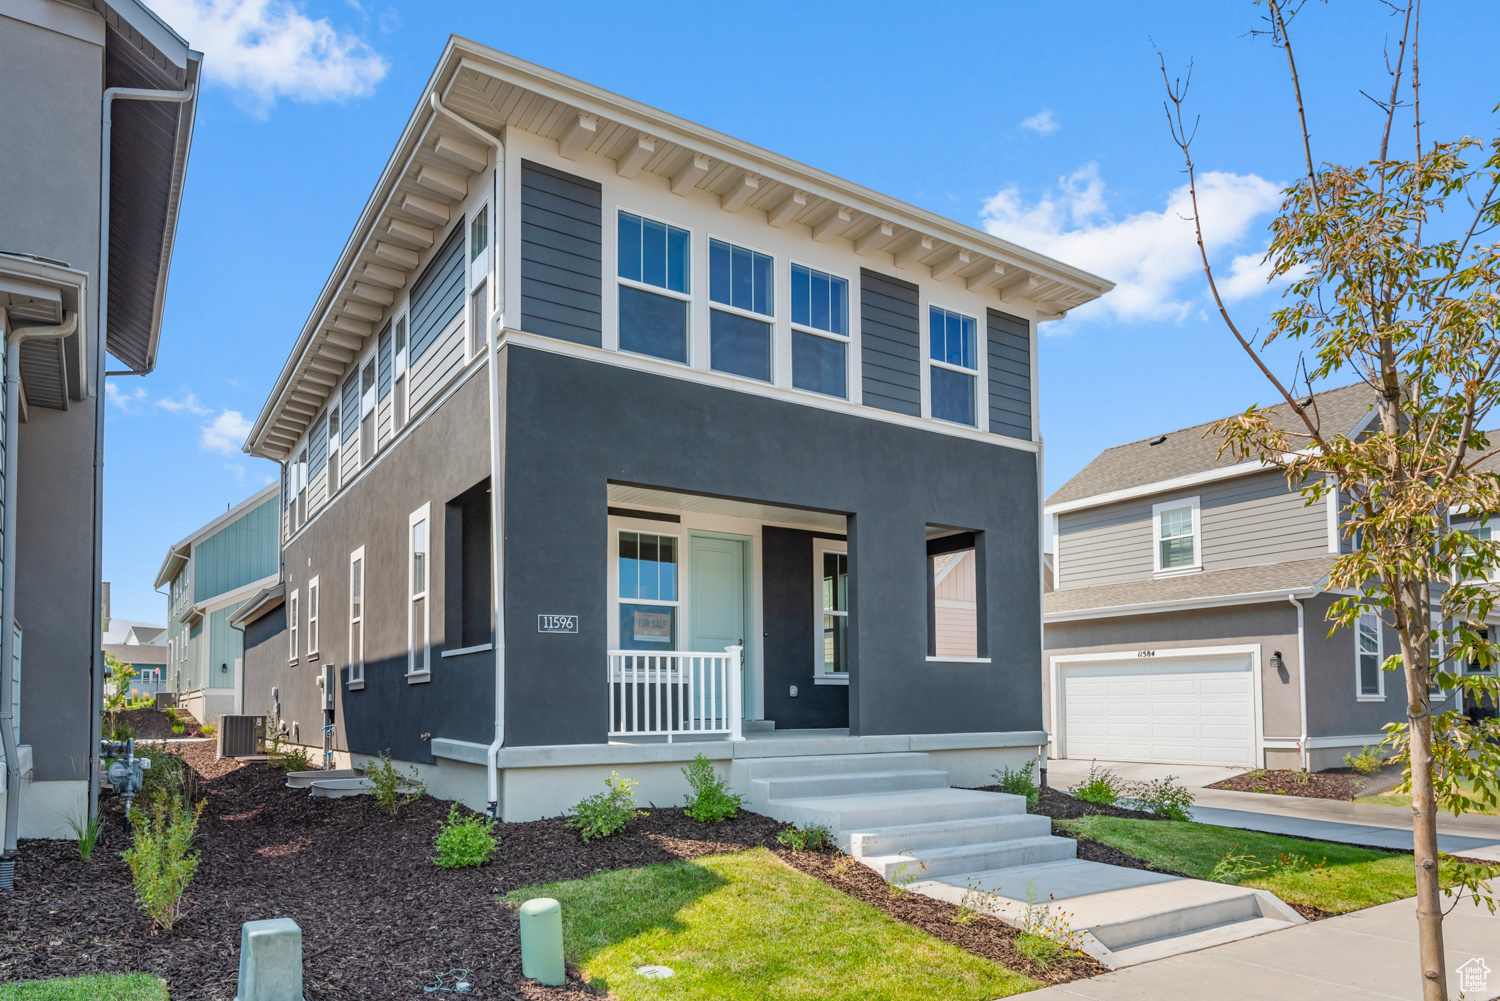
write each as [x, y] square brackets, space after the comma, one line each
[1196, 710]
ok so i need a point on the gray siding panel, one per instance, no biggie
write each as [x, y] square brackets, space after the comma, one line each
[438, 296]
[430, 374]
[1010, 374]
[561, 241]
[890, 339]
[317, 445]
[1105, 545]
[383, 363]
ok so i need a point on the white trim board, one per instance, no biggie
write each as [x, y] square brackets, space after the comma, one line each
[1182, 604]
[1159, 487]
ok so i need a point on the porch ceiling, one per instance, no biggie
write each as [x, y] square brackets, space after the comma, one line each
[646, 498]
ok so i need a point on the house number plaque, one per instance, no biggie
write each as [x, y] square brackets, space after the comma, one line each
[557, 623]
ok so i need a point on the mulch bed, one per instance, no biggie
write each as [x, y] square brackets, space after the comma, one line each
[1341, 783]
[149, 724]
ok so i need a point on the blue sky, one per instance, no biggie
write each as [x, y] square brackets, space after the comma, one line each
[1041, 122]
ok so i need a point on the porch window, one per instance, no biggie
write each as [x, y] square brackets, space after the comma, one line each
[654, 287]
[357, 617]
[1367, 656]
[820, 331]
[955, 608]
[419, 617]
[648, 593]
[832, 568]
[953, 365]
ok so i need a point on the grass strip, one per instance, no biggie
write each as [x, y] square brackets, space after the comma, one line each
[95, 987]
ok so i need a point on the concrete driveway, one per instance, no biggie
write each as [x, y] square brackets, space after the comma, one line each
[1473, 835]
[1368, 954]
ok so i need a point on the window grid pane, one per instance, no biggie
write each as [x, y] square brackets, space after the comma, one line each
[739, 277]
[820, 300]
[653, 253]
[952, 338]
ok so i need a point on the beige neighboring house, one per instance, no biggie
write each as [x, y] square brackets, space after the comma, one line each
[1186, 622]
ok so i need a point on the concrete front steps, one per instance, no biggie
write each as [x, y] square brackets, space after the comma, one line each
[897, 815]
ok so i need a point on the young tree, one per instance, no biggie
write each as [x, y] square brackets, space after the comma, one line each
[1374, 294]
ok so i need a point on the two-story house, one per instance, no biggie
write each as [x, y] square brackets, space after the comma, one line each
[1188, 619]
[761, 445]
[208, 576]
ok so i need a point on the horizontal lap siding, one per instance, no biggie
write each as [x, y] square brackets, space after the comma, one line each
[1010, 374]
[317, 490]
[561, 270]
[383, 423]
[317, 445]
[438, 296]
[890, 344]
[1106, 545]
[430, 373]
[1257, 520]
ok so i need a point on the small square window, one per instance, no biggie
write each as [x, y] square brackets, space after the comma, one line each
[739, 277]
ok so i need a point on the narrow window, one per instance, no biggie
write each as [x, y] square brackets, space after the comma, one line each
[367, 412]
[292, 615]
[357, 616]
[653, 254]
[479, 233]
[478, 320]
[1176, 527]
[647, 588]
[954, 365]
[1478, 666]
[398, 405]
[831, 568]
[820, 332]
[418, 659]
[739, 340]
[466, 574]
[1367, 654]
[302, 488]
[1437, 651]
[333, 450]
[312, 617]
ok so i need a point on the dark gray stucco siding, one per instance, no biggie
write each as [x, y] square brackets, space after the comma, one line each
[788, 599]
[264, 662]
[574, 425]
[1333, 706]
[890, 340]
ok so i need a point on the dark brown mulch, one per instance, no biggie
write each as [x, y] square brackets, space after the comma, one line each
[983, 936]
[149, 724]
[1342, 783]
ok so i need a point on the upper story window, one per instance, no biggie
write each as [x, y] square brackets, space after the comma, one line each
[1177, 544]
[479, 233]
[1367, 649]
[655, 255]
[820, 332]
[954, 365]
[739, 339]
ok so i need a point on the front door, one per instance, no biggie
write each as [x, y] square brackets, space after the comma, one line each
[717, 608]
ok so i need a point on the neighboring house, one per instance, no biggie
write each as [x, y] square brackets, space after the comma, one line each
[140, 645]
[1187, 624]
[208, 575]
[762, 443]
[89, 200]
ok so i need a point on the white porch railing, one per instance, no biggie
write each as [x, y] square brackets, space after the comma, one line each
[675, 693]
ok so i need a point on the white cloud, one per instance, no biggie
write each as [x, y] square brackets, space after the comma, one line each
[268, 49]
[188, 404]
[1149, 255]
[236, 470]
[127, 403]
[1043, 122]
[225, 433]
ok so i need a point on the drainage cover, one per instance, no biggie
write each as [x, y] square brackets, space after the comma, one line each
[654, 972]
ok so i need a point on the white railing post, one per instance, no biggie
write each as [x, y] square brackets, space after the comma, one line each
[734, 669]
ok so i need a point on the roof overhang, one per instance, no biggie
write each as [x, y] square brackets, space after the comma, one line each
[176, 559]
[1182, 604]
[436, 156]
[37, 292]
[267, 600]
[1160, 486]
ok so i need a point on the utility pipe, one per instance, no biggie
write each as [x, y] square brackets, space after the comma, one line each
[493, 324]
[1301, 677]
[13, 339]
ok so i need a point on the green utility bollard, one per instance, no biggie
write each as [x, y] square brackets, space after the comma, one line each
[541, 942]
[270, 961]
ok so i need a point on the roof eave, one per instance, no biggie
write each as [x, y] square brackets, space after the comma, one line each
[1182, 604]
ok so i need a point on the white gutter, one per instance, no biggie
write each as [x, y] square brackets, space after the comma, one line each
[1301, 678]
[13, 339]
[494, 323]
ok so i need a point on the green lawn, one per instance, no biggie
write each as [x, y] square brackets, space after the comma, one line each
[746, 926]
[131, 987]
[1330, 877]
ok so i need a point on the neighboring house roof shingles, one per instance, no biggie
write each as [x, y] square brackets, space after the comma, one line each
[1270, 577]
[139, 655]
[1192, 450]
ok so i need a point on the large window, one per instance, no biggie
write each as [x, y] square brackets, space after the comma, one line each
[1367, 649]
[419, 614]
[739, 339]
[1176, 529]
[312, 618]
[357, 617]
[831, 569]
[654, 287]
[648, 592]
[820, 332]
[953, 365]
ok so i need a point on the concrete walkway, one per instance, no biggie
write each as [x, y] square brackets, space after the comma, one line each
[1472, 835]
[1354, 957]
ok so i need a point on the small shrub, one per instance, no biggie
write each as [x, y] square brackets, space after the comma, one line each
[160, 864]
[1046, 935]
[1367, 762]
[842, 864]
[1102, 786]
[1234, 867]
[1301, 777]
[711, 801]
[208, 729]
[465, 840]
[904, 876]
[1020, 782]
[816, 838]
[86, 830]
[976, 901]
[1165, 797]
[606, 813]
[179, 728]
[121, 731]
[391, 789]
[1256, 774]
[169, 776]
[291, 759]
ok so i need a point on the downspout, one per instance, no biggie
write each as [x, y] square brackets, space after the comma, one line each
[497, 491]
[13, 339]
[1301, 678]
[101, 339]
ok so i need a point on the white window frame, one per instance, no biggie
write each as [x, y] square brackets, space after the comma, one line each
[1369, 620]
[357, 617]
[616, 602]
[413, 671]
[686, 297]
[981, 411]
[769, 319]
[312, 619]
[847, 339]
[400, 398]
[1156, 537]
[293, 613]
[477, 341]
[1435, 654]
[821, 677]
